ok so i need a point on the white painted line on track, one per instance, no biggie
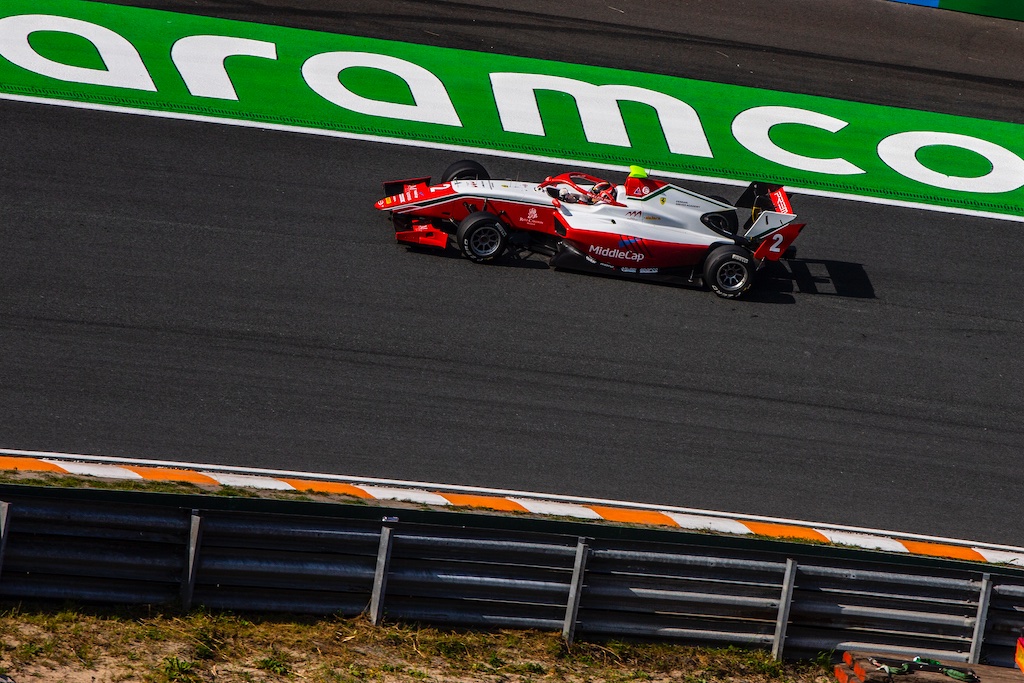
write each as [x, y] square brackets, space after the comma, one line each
[1001, 557]
[242, 123]
[95, 470]
[410, 495]
[862, 540]
[547, 507]
[702, 522]
[247, 481]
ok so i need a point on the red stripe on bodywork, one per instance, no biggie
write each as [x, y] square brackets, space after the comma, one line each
[777, 242]
[781, 201]
[641, 187]
[415, 194]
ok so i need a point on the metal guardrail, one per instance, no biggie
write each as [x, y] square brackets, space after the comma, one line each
[789, 599]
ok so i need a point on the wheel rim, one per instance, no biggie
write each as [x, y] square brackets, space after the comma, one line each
[485, 241]
[732, 276]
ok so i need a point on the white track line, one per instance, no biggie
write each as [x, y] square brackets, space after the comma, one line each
[489, 152]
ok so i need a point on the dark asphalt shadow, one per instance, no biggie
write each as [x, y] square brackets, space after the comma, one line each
[776, 283]
[433, 251]
[823, 277]
[534, 262]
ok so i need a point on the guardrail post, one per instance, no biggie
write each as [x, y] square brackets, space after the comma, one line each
[784, 604]
[195, 537]
[979, 623]
[572, 607]
[380, 575]
[5, 524]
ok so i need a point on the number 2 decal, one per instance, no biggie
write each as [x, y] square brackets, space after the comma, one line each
[777, 240]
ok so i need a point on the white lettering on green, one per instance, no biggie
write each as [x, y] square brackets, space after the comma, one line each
[200, 61]
[752, 129]
[124, 67]
[432, 104]
[899, 151]
[598, 105]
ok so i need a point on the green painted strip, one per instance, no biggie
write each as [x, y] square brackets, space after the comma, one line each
[518, 106]
[1003, 9]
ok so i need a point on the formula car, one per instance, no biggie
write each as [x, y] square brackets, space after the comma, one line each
[642, 228]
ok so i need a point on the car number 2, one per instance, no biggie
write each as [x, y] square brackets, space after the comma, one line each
[777, 240]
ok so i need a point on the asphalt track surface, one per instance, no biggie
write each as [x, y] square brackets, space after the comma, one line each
[192, 291]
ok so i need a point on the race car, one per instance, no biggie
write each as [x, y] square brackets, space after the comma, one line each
[642, 228]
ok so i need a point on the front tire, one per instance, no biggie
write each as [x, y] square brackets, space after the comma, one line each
[729, 271]
[482, 237]
[467, 169]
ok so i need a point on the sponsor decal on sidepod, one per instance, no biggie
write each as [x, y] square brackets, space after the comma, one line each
[608, 252]
[532, 217]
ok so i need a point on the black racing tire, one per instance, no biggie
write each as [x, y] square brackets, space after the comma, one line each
[482, 237]
[729, 271]
[467, 169]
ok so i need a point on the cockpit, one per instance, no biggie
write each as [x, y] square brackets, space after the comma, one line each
[581, 188]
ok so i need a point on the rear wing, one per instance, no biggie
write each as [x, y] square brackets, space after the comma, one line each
[770, 228]
[772, 234]
[760, 197]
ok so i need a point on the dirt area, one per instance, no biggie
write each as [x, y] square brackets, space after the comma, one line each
[82, 646]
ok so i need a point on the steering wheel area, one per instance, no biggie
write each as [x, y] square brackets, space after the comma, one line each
[604, 191]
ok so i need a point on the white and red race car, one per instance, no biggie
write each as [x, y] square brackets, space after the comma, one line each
[642, 228]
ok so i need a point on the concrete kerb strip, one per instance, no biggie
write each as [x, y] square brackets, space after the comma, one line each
[508, 501]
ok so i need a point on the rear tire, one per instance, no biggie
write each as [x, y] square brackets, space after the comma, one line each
[467, 169]
[482, 237]
[729, 271]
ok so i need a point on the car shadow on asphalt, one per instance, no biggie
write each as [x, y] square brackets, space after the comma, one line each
[778, 281]
[535, 261]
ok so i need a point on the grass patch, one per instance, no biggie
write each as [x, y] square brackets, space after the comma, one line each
[179, 670]
[40, 643]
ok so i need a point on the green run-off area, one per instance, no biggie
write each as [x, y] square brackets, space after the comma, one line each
[1002, 9]
[116, 56]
